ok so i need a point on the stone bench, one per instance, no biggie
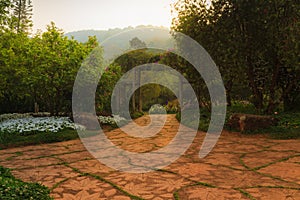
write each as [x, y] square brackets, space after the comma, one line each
[245, 122]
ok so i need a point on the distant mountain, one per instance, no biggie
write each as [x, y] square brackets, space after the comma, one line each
[144, 33]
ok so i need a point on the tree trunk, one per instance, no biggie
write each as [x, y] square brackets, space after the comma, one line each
[133, 95]
[258, 97]
[19, 16]
[140, 92]
[228, 87]
[287, 91]
[272, 104]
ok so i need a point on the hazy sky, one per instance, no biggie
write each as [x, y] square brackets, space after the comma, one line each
[72, 15]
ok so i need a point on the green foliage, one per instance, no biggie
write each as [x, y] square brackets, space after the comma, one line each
[4, 11]
[136, 114]
[134, 58]
[12, 188]
[21, 15]
[254, 43]
[38, 69]
[242, 107]
[13, 94]
[105, 88]
[14, 140]
[15, 16]
[172, 107]
[149, 94]
[136, 43]
[191, 74]
[8, 116]
[287, 128]
[202, 124]
[289, 124]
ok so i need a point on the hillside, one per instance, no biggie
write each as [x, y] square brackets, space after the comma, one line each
[149, 37]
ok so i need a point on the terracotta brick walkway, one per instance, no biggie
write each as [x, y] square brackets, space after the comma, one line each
[239, 167]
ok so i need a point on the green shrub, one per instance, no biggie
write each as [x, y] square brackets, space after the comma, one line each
[287, 128]
[8, 140]
[172, 107]
[12, 188]
[136, 114]
[8, 116]
[202, 124]
[241, 107]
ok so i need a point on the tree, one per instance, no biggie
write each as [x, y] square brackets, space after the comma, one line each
[147, 94]
[252, 42]
[4, 11]
[105, 88]
[136, 43]
[268, 29]
[21, 15]
[54, 62]
[214, 29]
[13, 63]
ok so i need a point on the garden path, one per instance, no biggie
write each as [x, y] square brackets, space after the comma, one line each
[239, 167]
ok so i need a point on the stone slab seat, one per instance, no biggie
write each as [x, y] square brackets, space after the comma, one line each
[251, 122]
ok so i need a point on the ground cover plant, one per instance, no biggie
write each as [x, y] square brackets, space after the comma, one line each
[288, 126]
[12, 188]
[23, 129]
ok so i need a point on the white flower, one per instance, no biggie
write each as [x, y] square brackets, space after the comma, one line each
[39, 124]
[111, 120]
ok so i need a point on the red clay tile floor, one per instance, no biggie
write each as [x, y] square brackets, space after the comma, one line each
[239, 167]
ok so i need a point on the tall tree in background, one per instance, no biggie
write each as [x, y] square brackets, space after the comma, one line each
[136, 43]
[4, 11]
[212, 29]
[270, 48]
[254, 43]
[21, 16]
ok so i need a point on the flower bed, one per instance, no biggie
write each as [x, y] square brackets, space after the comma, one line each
[31, 125]
[157, 109]
[108, 120]
[25, 124]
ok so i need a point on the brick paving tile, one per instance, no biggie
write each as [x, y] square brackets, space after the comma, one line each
[239, 167]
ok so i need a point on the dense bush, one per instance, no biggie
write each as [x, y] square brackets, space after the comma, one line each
[8, 116]
[172, 106]
[105, 88]
[202, 124]
[136, 114]
[35, 69]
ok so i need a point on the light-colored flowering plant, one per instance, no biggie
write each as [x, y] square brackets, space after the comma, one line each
[108, 120]
[31, 125]
[157, 109]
